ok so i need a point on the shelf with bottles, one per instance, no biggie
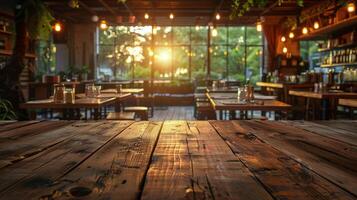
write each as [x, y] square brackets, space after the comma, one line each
[339, 57]
[4, 52]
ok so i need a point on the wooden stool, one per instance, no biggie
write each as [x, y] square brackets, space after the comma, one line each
[204, 110]
[121, 116]
[141, 111]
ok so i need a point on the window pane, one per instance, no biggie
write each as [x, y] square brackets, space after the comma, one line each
[221, 37]
[199, 62]
[236, 63]
[181, 35]
[236, 35]
[218, 62]
[254, 58]
[162, 65]
[199, 35]
[180, 62]
[106, 61]
[253, 36]
[163, 35]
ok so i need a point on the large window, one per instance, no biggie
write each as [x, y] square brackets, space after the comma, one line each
[180, 52]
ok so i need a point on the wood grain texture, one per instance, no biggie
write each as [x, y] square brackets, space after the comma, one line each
[34, 175]
[330, 158]
[284, 177]
[12, 126]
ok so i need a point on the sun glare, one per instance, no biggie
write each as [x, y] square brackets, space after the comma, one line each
[164, 56]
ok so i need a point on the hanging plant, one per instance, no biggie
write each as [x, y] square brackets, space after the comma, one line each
[38, 19]
[239, 7]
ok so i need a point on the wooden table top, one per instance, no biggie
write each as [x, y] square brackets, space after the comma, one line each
[324, 95]
[222, 90]
[247, 160]
[234, 96]
[221, 101]
[287, 85]
[78, 103]
[119, 96]
[124, 90]
[348, 102]
[269, 84]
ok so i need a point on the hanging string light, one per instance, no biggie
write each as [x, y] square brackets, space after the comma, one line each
[73, 3]
[305, 30]
[316, 25]
[283, 38]
[146, 16]
[285, 50]
[103, 25]
[259, 26]
[57, 27]
[351, 7]
[172, 16]
[291, 35]
[218, 16]
[214, 32]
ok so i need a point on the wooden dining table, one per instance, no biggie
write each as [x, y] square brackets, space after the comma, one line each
[329, 100]
[72, 110]
[228, 102]
[124, 90]
[246, 159]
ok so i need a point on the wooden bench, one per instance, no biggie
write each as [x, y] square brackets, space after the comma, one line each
[121, 116]
[140, 111]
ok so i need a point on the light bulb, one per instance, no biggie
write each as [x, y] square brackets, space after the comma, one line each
[146, 16]
[172, 16]
[305, 31]
[214, 32]
[285, 50]
[95, 18]
[58, 27]
[259, 26]
[291, 35]
[197, 28]
[103, 25]
[283, 39]
[351, 7]
[316, 25]
[218, 16]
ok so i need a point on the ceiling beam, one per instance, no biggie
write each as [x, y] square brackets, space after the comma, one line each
[87, 8]
[106, 6]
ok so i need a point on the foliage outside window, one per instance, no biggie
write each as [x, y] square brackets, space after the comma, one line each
[179, 52]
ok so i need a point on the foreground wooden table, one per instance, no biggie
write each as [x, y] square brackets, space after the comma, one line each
[178, 160]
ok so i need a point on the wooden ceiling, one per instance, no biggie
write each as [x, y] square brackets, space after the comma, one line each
[187, 12]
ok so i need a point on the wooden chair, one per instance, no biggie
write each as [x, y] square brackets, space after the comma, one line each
[121, 116]
[140, 111]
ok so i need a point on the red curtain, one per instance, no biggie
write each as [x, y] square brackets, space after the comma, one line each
[271, 33]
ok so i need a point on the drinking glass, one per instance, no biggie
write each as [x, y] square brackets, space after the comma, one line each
[89, 90]
[241, 94]
[97, 90]
[69, 95]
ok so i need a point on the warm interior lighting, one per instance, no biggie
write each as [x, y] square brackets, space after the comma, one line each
[146, 16]
[285, 50]
[218, 16]
[283, 39]
[197, 28]
[95, 18]
[316, 25]
[172, 16]
[164, 56]
[259, 26]
[304, 31]
[214, 32]
[103, 25]
[351, 7]
[154, 30]
[291, 35]
[57, 27]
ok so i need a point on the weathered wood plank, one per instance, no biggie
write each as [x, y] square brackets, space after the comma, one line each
[330, 158]
[192, 162]
[326, 131]
[350, 125]
[169, 175]
[116, 171]
[12, 126]
[33, 175]
[31, 129]
[217, 173]
[284, 177]
[15, 150]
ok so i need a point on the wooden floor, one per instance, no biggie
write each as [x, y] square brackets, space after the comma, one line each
[244, 160]
[173, 113]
